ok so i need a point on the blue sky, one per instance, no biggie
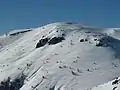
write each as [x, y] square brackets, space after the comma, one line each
[15, 14]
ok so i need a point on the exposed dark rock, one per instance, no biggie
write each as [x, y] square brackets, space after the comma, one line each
[75, 73]
[55, 40]
[89, 70]
[13, 34]
[43, 36]
[114, 88]
[42, 42]
[99, 44]
[81, 40]
[86, 40]
[95, 39]
[12, 85]
[52, 88]
[88, 32]
[115, 82]
[70, 23]
[63, 34]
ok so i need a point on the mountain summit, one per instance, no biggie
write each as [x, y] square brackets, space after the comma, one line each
[60, 56]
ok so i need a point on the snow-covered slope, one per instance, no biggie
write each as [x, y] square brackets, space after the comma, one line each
[60, 56]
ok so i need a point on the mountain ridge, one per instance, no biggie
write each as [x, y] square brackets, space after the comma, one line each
[85, 58]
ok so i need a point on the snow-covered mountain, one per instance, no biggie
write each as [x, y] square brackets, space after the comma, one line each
[60, 56]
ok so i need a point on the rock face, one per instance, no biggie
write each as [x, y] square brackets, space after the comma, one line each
[56, 40]
[42, 42]
[99, 44]
[12, 85]
[14, 34]
[83, 40]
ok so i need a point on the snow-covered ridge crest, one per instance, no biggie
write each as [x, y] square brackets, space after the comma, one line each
[19, 31]
[59, 56]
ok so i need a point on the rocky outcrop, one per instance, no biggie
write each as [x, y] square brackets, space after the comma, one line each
[52, 41]
[56, 40]
[12, 85]
[83, 40]
[42, 42]
[14, 34]
[99, 44]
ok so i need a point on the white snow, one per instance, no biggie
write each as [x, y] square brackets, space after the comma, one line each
[68, 65]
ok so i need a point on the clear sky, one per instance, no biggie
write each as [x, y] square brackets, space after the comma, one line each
[32, 13]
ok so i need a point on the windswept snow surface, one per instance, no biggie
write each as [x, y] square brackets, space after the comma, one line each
[86, 58]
